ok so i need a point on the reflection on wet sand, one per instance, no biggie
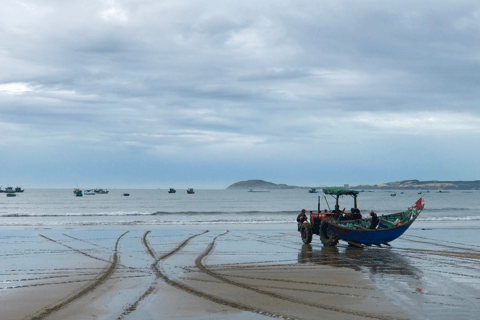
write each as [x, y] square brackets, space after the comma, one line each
[373, 260]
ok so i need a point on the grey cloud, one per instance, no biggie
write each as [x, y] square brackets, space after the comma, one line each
[177, 75]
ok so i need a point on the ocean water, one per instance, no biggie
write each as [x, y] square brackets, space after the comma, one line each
[431, 271]
[49, 207]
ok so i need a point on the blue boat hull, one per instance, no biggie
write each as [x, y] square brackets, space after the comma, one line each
[370, 236]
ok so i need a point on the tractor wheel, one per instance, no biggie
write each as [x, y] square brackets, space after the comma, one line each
[306, 232]
[328, 238]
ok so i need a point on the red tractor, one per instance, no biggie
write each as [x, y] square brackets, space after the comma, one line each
[320, 221]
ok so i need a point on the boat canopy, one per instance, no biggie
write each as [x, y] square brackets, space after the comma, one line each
[339, 191]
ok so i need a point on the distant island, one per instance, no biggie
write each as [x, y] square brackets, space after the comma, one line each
[260, 184]
[431, 184]
[405, 184]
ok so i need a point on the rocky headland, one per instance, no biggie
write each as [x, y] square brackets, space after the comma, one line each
[404, 184]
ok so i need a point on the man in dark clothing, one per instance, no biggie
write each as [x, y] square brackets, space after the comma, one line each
[375, 220]
[301, 217]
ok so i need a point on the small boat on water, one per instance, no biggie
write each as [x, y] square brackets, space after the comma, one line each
[79, 193]
[394, 194]
[420, 192]
[7, 190]
[11, 195]
[190, 191]
[11, 190]
[313, 190]
[101, 191]
[89, 193]
[76, 190]
[172, 190]
[126, 194]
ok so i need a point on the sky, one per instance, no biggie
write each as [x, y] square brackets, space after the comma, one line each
[202, 94]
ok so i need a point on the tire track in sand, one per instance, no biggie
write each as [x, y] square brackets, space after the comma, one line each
[134, 305]
[49, 310]
[199, 264]
[191, 290]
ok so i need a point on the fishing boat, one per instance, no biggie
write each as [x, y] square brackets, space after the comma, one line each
[172, 190]
[313, 190]
[89, 193]
[76, 190]
[335, 225]
[11, 195]
[389, 228]
[101, 191]
[126, 194]
[7, 190]
[190, 191]
[79, 193]
[19, 189]
[393, 194]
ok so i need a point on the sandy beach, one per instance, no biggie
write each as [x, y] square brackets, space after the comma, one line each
[234, 272]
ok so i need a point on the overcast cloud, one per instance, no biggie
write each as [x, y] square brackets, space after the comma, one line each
[206, 93]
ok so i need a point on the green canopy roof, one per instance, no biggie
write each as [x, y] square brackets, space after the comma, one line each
[339, 191]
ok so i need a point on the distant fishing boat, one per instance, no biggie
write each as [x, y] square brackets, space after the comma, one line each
[7, 190]
[190, 191]
[11, 195]
[76, 190]
[313, 190]
[126, 194]
[420, 192]
[393, 194]
[19, 189]
[172, 190]
[101, 191]
[79, 193]
[89, 193]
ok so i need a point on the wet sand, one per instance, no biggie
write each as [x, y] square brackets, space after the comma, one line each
[231, 271]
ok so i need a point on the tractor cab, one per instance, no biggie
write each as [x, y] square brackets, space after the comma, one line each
[319, 221]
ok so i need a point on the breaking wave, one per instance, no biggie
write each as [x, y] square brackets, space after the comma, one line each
[137, 213]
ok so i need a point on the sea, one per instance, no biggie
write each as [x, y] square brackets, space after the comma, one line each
[431, 271]
[60, 207]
